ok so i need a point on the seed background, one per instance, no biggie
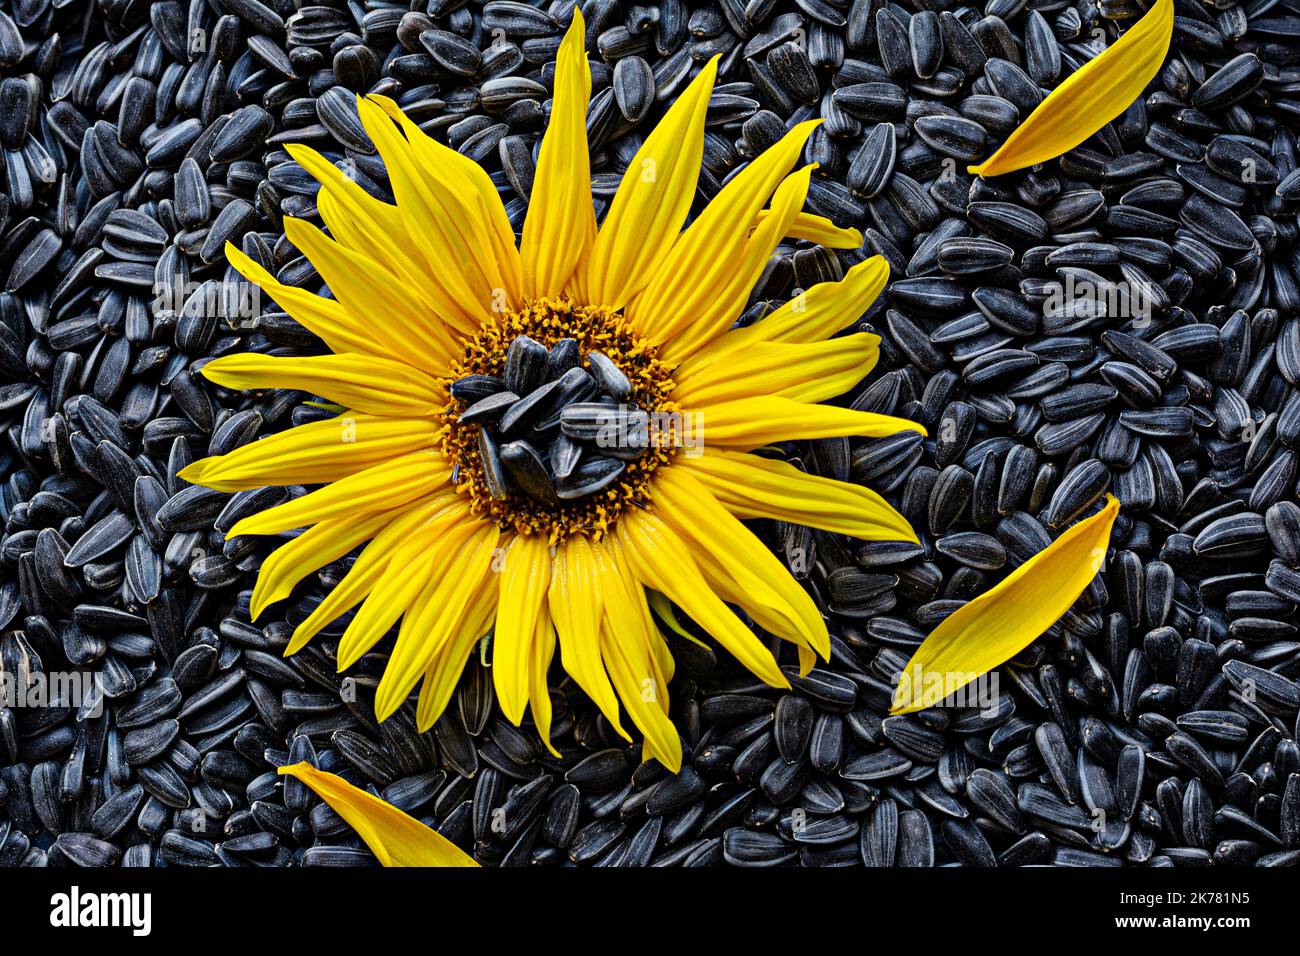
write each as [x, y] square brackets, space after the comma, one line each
[139, 137]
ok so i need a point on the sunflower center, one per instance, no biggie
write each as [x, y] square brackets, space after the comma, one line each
[558, 417]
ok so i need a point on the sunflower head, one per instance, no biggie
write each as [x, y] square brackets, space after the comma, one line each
[546, 435]
[591, 433]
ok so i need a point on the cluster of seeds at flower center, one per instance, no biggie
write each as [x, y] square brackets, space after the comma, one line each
[557, 418]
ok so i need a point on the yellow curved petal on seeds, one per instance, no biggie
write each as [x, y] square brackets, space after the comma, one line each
[812, 316]
[753, 487]
[460, 565]
[310, 551]
[652, 201]
[466, 182]
[314, 453]
[749, 423]
[367, 288]
[630, 660]
[444, 671]
[326, 318]
[427, 550]
[729, 297]
[660, 560]
[539, 664]
[561, 222]
[761, 580]
[395, 838]
[367, 569]
[366, 383]
[524, 578]
[576, 605]
[378, 488]
[813, 228]
[995, 626]
[450, 195]
[811, 372]
[1090, 97]
[704, 258]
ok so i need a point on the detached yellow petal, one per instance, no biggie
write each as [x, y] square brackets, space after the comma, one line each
[1090, 97]
[1001, 622]
[396, 838]
[524, 580]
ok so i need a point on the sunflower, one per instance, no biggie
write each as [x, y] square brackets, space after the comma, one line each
[543, 441]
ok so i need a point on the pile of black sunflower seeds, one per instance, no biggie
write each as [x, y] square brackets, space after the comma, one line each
[1122, 319]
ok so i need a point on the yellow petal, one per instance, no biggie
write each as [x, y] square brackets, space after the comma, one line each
[820, 230]
[652, 201]
[811, 372]
[812, 316]
[745, 267]
[561, 221]
[443, 672]
[525, 578]
[366, 383]
[394, 837]
[424, 554]
[748, 423]
[365, 224]
[313, 549]
[368, 568]
[737, 563]
[660, 560]
[451, 241]
[326, 318]
[998, 624]
[628, 651]
[753, 487]
[539, 665]
[441, 611]
[377, 488]
[1090, 97]
[367, 288]
[663, 609]
[467, 191]
[576, 607]
[314, 453]
[689, 285]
